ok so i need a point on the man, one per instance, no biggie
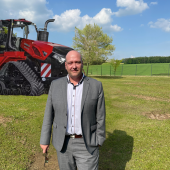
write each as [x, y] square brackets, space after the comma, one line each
[76, 108]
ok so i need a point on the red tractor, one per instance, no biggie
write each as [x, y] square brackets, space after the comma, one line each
[27, 67]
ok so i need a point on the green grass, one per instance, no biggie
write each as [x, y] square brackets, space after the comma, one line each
[131, 69]
[19, 138]
[133, 140]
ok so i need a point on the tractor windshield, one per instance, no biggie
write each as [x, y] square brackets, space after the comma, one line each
[27, 32]
[3, 38]
[11, 31]
[23, 28]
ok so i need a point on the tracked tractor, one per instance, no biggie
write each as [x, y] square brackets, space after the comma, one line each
[27, 67]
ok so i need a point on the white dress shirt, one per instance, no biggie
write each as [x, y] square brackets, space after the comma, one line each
[74, 96]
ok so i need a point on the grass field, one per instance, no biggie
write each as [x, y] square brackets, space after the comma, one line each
[162, 69]
[137, 125]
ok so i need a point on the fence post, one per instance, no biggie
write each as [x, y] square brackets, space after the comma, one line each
[151, 69]
[110, 70]
[101, 70]
[136, 70]
[122, 70]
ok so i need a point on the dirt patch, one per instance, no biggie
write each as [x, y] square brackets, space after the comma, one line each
[139, 83]
[23, 140]
[149, 98]
[22, 109]
[130, 83]
[145, 97]
[157, 116]
[4, 120]
[38, 162]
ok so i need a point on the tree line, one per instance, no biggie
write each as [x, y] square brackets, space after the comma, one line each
[145, 60]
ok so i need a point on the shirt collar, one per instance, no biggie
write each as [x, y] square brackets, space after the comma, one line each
[68, 79]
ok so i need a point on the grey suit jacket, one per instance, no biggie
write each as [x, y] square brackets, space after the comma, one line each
[92, 114]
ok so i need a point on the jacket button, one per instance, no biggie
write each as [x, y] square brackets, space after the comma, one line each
[64, 126]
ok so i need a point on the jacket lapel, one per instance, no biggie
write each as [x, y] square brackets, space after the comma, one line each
[64, 90]
[85, 91]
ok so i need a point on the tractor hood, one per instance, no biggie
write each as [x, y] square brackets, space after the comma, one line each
[41, 50]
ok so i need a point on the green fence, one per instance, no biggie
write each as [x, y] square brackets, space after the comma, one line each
[157, 69]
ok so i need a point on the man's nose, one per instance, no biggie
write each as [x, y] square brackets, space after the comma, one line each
[74, 65]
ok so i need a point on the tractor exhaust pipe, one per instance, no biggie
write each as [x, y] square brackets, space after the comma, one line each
[46, 23]
[43, 35]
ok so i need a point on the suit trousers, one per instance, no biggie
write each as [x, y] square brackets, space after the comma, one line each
[74, 155]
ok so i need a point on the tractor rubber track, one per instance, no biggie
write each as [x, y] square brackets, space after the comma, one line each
[32, 80]
[2, 87]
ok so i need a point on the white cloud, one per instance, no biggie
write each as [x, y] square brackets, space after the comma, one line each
[132, 56]
[161, 23]
[37, 12]
[116, 28]
[142, 25]
[130, 7]
[67, 20]
[104, 16]
[153, 3]
[27, 14]
[71, 18]
[33, 10]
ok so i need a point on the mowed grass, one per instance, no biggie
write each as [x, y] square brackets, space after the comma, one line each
[20, 133]
[137, 125]
[133, 140]
[131, 69]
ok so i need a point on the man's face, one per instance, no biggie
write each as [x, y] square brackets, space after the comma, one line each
[74, 65]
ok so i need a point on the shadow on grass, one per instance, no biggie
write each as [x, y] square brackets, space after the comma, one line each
[107, 77]
[116, 151]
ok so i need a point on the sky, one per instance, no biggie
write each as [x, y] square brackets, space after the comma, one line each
[138, 27]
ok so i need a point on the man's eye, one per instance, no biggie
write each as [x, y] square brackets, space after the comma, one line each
[78, 62]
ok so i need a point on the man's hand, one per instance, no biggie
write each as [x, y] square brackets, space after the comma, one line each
[44, 148]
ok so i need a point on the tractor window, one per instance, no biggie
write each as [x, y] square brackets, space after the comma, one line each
[17, 34]
[26, 32]
[3, 38]
[29, 32]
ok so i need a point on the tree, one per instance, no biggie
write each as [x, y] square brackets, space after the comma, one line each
[93, 44]
[115, 64]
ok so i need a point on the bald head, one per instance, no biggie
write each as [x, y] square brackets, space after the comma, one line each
[73, 53]
[74, 65]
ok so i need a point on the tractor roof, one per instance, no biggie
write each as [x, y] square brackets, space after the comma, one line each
[17, 22]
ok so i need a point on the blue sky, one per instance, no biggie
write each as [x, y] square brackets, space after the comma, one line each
[138, 27]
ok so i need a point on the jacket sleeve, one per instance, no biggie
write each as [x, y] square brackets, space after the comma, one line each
[48, 120]
[101, 114]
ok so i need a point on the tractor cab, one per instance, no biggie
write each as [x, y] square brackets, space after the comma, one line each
[8, 40]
